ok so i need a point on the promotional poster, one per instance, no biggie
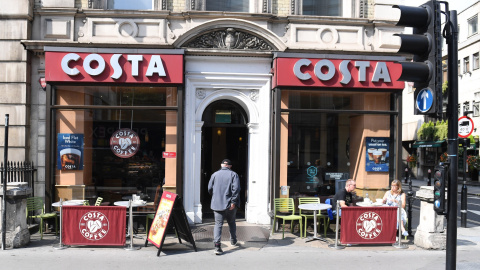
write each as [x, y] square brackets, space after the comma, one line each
[377, 154]
[70, 151]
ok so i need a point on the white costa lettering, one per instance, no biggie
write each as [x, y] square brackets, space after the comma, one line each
[155, 65]
[325, 70]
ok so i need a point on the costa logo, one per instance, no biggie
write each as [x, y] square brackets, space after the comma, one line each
[154, 66]
[94, 225]
[369, 225]
[325, 69]
[124, 143]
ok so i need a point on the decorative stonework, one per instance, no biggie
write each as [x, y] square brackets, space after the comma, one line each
[230, 39]
[254, 95]
[200, 93]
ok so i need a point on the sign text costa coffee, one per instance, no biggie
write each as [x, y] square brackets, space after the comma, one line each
[113, 68]
[337, 73]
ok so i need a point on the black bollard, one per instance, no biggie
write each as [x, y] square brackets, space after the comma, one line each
[429, 183]
[409, 211]
[463, 208]
[406, 175]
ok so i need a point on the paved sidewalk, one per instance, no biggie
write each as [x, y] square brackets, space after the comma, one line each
[278, 253]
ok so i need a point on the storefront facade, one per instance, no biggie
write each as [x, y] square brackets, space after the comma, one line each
[159, 97]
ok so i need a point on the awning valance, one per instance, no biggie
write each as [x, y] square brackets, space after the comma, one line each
[424, 144]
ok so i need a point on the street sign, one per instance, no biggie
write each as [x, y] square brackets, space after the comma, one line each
[424, 100]
[465, 126]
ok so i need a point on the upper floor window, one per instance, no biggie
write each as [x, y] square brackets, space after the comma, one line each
[466, 64]
[128, 4]
[475, 63]
[322, 7]
[227, 5]
[473, 25]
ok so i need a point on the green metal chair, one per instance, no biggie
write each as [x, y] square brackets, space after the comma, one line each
[35, 205]
[309, 214]
[99, 201]
[285, 210]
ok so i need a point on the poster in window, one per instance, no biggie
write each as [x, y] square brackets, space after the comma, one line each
[70, 151]
[377, 154]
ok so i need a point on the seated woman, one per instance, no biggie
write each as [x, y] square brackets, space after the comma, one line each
[392, 197]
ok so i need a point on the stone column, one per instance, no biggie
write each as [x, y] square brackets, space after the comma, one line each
[430, 231]
[17, 231]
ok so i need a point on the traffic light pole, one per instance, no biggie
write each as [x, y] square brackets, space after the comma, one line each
[452, 110]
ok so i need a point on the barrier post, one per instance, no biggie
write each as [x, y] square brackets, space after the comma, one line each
[336, 246]
[130, 227]
[399, 219]
[60, 245]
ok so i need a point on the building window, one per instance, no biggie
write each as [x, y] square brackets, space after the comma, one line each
[459, 70]
[130, 5]
[322, 7]
[476, 108]
[466, 106]
[475, 62]
[473, 25]
[227, 5]
[466, 64]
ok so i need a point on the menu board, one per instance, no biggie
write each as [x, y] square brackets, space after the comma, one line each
[170, 212]
[377, 154]
[160, 222]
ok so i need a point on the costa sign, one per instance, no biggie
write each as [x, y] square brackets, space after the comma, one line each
[108, 68]
[124, 143]
[344, 73]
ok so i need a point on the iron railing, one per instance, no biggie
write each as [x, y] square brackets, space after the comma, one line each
[19, 172]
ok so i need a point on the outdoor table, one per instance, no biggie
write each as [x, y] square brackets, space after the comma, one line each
[70, 202]
[315, 207]
[130, 223]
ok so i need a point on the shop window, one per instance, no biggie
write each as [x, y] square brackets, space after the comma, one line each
[322, 142]
[475, 63]
[473, 25]
[466, 64]
[116, 167]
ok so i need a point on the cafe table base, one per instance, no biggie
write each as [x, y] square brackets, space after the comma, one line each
[315, 207]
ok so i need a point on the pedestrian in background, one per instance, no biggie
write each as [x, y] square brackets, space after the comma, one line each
[224, 186]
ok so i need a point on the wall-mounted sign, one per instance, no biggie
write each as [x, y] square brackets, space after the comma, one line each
[70, 151]
[344, 73]
[169, 154]
[124, 143]
[113, 68]
[377, 154]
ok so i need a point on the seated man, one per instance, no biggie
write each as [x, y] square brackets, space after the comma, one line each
[344, 196]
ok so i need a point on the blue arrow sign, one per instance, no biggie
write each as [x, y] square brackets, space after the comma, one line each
[424, 100]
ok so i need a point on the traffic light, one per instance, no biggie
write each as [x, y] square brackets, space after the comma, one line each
[426, 46]
[439, 178]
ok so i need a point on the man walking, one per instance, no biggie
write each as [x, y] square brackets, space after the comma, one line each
[224, 186]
